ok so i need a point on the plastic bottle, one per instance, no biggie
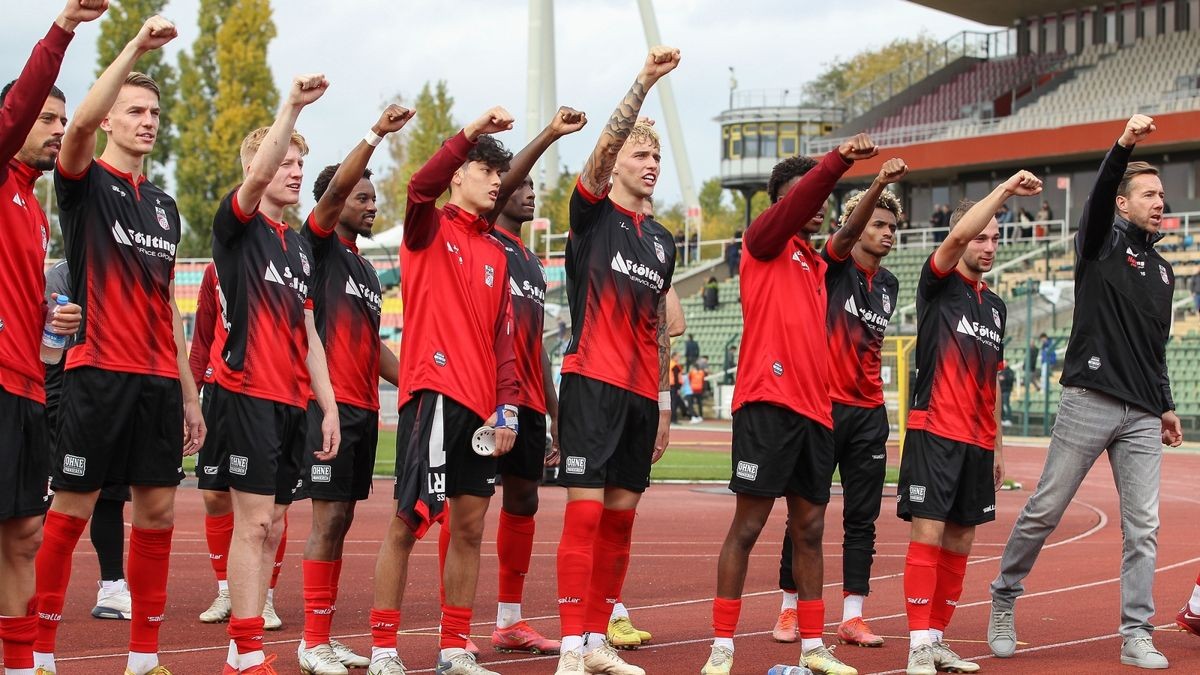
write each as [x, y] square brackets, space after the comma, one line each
[784, 669]
[53, 343]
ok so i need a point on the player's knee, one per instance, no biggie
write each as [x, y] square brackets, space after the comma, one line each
[217, 503]
[468, 532]
[21, 545]
[399, 536]
[521, 503]
[254, 528]
[332, 525]
[745, 533]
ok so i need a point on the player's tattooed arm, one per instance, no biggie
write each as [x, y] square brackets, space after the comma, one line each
[598, 170]
[663, 437]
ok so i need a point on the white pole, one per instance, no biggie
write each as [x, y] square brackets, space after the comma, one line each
[550, 162]
[533, 79]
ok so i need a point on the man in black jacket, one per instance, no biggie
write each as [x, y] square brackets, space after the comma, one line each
[1116, 394]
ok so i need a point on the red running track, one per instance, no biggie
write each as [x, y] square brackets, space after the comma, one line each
[1068, 619]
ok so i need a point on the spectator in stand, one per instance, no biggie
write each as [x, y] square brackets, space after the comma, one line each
[1006, 378]
[691, 351]
[1048, 357]
[733, 254]
[696, 375]
[1025, 231]
[1031, 363]
[1005, 218]
[1194, 287]
[1045, 213]
[731, 360]
[941, 221]
[694, 247]
[712, 294]
[680, 244]
[677, 402]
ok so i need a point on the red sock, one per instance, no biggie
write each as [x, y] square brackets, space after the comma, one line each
[334, 581]
[60, 533]
[580, 522]
[443, 548]
[318, 601]
[610, 561]
[247, 634]
[279, 553]
[149, 565]
[810, 618]
[18, 634]
[456, 627]
[218, 532]
[514, 548]
[920, 583]
[725, 613]
[384, 624]
[1198, 579]
[952, 567]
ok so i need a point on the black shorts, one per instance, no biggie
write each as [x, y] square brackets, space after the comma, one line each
[779, 452]
[118, 429]
[527, 459]
[347, 477]
[860, 447]
[258, 443]
[208, 460]
[945, 480]
[606, 435]
[25, 456]
[433, 437]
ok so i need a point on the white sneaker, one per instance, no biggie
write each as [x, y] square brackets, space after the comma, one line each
[113, 602]
[271, 620]
[605, 659]
[570, 663]
[697, 420]
[461, 662]
[320, 660]
[947, 660]
[219, 610]
[347, 657]
[1141, 652]
[389, 666]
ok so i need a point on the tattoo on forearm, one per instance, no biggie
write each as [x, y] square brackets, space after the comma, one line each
[664, 347]
[618, 128]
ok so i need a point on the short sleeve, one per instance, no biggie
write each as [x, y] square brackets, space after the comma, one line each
[71, 190]
[229, 222]
[319, 240]
[933, 281]
[586, 208]
[834, 267]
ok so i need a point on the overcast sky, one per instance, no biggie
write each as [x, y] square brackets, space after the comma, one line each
[372, 50]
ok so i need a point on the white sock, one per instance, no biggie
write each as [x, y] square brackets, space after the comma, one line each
[916, 638]
[808, 644]
[44, 660]
[382, 654]
[270, 595]
[251, 659]
[1194, 603]
[223, 586]
[852, 607]
[592, 641]
[723, 642]
[231, 656]
[141, 663]
[935, 635]
[789, 600]
[619, 612]
[572, 643]
[507, 614]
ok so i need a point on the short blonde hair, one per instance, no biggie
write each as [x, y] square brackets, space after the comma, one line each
[643, 133]
[254, 140]
[887, 201]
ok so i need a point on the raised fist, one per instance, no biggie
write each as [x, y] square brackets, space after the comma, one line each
[645, 120]
[567, 121]
[493, 121]
[892, 171]
[155, 33]
[84, 10]
[393, 119]
[1023, 184]
[859, 146]
[660, 61]
[1136, 129]
[307, 88]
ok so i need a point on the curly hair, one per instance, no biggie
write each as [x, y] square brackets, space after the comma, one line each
[887, 201]
[326, 175]
[491, 152]
[785, 171]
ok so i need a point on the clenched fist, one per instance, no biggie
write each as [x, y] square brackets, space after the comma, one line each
[393, 119]
[492, 121]
[1136, 129]
[892, 171]
[567, 121]
[155, 33]
[307, 89]
[859, 146]
[660, 61]
[1023, 184]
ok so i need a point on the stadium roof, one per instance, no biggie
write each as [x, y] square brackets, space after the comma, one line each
[1003, 13]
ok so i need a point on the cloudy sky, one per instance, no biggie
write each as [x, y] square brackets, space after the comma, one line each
[372, 50]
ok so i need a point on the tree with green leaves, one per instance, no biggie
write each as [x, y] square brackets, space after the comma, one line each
[411, 148]
[121, 22]
[841, 78]
[228, 91]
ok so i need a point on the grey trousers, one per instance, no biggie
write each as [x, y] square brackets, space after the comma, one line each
[1088, 423]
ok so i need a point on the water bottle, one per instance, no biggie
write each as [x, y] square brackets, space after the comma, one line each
[53, 343]
[783, 669]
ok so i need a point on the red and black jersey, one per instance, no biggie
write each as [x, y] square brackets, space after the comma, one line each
[347, 300]
[26, 230]
[458, 337]
[527, 283]
[208, 329]
[263, 272]
[785, 352]
[960, 344]
[121, 234]
[861, 303]
[619, 265]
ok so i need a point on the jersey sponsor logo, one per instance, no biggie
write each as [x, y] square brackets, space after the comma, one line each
[161, 216]
[980, 332]
[74, 465]
[321, 473]
[527, 290]
[576, 465]
[489, 275]
[514, 288]
[362, 291]
[659, 252]
[238, 465]
[155, 247]
[642, 274]
[1162, 274]
[747, 471]
[1094, 363]
[871, 318]
[272, 274]
[777, 368]
[916, 494]
[1136, 260]
[799, 257]
[440, 359]
[887, 303]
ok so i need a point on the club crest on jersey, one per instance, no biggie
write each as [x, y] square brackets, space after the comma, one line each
[1162, 274]
[887, 303]
[161, 215]
[304, 263]
[659, 252]
[489, 275]
[996, 316]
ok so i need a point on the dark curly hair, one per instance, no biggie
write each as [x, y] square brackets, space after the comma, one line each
[326, 175]
[491, 152]
[786, 170]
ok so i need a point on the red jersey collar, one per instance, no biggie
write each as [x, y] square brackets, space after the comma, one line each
[26, 175]
[466, 220]
[123, 174]
[977, 286]
[352, 245]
